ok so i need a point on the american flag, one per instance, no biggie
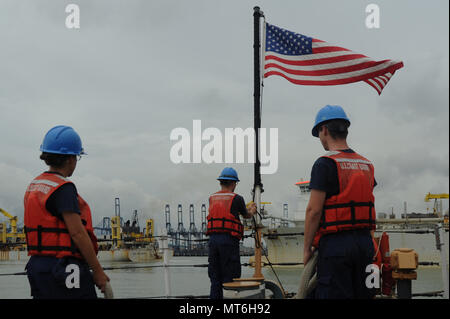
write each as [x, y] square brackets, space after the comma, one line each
[307, 61]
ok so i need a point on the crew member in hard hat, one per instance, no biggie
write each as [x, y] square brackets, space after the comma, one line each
[225, 230]
[58, 225]
[340, 214]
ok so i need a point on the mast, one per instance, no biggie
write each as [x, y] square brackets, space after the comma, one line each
[257, 14]
[257, 187]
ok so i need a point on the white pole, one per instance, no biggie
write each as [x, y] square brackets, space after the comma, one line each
[444, 266]
[165, 248]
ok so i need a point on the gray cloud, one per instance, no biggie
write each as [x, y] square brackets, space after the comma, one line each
[138, 69]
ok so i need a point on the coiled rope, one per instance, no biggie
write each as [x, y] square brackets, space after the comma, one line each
[308, 279]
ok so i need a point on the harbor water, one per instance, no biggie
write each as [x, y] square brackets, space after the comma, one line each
[189, 281]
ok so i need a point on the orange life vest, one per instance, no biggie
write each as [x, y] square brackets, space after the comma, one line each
[47, 235]
[353, 207]
[220, 218]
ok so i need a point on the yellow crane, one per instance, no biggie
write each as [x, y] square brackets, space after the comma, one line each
[436, 197]
[116, 231]
[149, 230]
[3, 233]
[14, 235]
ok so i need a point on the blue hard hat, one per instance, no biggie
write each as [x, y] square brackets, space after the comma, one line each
[229, 173]
[328, 112]
[62, 139]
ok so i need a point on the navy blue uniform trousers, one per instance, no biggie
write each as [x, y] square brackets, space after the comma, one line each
[341, 266]
[47, 278]
[224, 262]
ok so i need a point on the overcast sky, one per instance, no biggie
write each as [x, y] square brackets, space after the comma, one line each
[136, 70]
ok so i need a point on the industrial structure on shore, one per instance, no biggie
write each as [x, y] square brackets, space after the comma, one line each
[191, 241]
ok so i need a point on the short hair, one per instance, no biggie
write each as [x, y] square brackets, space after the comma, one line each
[55, 160]
[338, 128]
[226, 182]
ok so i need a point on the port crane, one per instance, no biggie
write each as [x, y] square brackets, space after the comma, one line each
[14, 236]
[183, 240]
[181, 231]
[441, 196]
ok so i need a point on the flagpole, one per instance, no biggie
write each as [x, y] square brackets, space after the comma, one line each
[257, 187]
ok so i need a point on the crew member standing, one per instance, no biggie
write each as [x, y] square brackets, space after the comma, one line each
[58, 225]
[340, 213]
[225, 230]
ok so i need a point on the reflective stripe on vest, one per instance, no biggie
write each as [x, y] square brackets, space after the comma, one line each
[47, 235]
[220, 219]
[353, 207]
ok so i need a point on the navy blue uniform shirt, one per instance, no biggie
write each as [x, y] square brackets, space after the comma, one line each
[64, 199]
[238, 206]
